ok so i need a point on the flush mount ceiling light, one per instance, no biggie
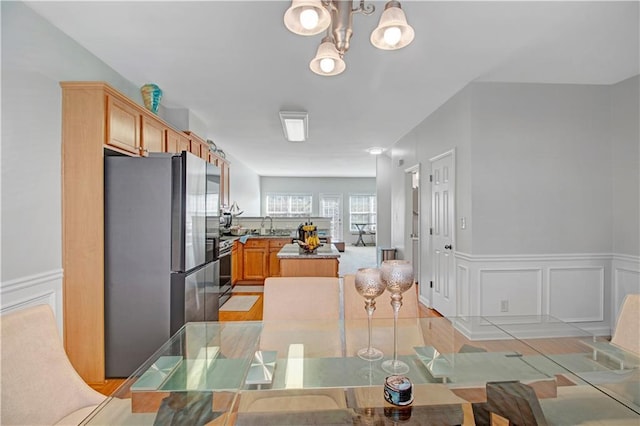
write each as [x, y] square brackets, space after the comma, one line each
[311, 17]
[375, 150]
[295, 125]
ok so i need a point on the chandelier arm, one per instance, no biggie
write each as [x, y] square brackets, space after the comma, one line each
[367, 9]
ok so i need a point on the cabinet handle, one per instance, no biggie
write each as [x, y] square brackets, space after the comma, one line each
[448, 247]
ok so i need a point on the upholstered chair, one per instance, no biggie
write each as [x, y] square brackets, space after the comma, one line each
[626, 335]
[301, 298]
[39, 385]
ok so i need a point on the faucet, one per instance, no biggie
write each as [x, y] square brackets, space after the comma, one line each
[270, 223]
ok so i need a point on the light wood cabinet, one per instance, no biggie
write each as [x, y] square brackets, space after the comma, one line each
[258, 259]
[225, 193]
[96, 119]
[177, 142]
[275, 245]
[255, 265]
[123, 125]
[153, 136]
[199, 146]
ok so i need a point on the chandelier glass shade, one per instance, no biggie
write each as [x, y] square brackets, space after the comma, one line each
[303, 13]
[311, 17]
[327, 60]
[392, 31]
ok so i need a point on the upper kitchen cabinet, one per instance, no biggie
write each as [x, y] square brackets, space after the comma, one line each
[97, 120]
[123, 125]
[153, 136]
[198, 146]
[177, 141]
[225, 197]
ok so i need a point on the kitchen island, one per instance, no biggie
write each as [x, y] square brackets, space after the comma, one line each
[295, 263]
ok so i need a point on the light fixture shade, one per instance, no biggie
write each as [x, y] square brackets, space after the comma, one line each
[327, 50]
[393, 16]
[295, 125]
[292, 17]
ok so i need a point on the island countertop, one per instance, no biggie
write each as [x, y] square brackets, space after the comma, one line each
[292, 251]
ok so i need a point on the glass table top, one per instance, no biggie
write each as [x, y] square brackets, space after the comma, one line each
[285, 371]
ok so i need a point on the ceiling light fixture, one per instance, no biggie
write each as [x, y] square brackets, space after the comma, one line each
[295, 125]
[376, 150]
[311, 17]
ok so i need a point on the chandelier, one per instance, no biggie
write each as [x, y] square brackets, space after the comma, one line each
[311, 17]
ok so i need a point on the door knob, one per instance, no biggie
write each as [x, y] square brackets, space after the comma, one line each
[448, 247]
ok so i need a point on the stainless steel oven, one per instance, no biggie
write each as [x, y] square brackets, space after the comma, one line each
[224, 256]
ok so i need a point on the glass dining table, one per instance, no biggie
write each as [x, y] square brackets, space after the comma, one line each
[307, 372]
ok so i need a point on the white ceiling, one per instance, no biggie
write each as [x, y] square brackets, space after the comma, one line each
[234, 65]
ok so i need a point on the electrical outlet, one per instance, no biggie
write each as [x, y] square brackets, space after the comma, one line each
[504, 306]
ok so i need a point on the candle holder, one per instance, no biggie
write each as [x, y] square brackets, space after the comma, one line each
[369, 285]
[398, 278]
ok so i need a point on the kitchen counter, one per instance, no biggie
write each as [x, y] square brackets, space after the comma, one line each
[292, 251]
[293, 263]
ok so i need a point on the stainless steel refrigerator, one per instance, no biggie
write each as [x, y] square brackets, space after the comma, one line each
[161, 266]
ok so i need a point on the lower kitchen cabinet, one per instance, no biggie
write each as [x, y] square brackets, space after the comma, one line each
[257, 259]
[275, 245]
[255, 265]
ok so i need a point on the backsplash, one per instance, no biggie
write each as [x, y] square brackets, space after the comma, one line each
[283, 223]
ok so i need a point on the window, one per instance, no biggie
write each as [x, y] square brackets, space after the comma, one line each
[362, 209]
[288, 205]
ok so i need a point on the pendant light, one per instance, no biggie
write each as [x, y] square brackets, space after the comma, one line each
[327, 60]
[392, 31]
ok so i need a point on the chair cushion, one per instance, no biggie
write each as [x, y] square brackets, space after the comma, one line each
[39, 385]
[77, 416]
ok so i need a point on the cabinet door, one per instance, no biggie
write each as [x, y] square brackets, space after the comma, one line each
[123, 126]
[153, 134]
[274, 262]
[254, 263]
[194, 148]
[176, 142]
[275, 245]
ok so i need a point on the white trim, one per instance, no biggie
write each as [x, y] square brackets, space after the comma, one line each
[30, 281]
[36, 289]
[532, 257]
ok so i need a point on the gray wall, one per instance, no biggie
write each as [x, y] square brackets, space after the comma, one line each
[541, 169]
[625, 134]
[35, 57]
[317, 186]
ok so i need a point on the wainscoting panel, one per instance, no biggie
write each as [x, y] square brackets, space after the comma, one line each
[578, 288]
[510, 292]
[626, 280]
[463, 295]
[44, 288]
[567, 282]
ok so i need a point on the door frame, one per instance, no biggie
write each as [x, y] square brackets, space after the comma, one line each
[409, 247]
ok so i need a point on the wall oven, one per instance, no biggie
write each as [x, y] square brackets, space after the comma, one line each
[224, 256]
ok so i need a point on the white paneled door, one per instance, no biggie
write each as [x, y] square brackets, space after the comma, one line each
[442, 233]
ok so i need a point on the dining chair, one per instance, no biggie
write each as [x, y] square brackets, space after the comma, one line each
[354, 303]
[39, 385]
[626, 335]
[301, 298]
